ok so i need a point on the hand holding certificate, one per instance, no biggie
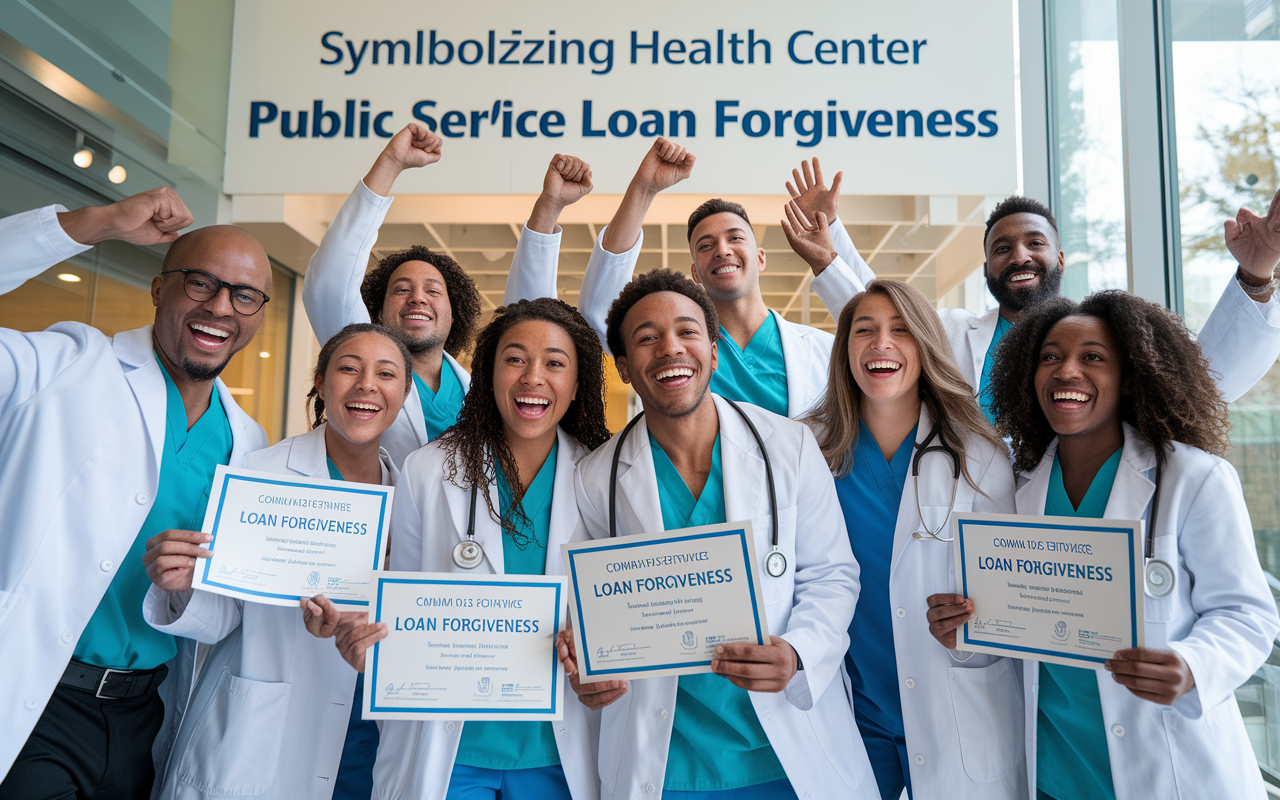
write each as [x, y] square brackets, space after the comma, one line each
[1066, 590]
[660, 603]
[278, 539]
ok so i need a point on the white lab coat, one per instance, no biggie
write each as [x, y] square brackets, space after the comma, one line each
[415, 759]
[806, 351]
[1240, 340]
[82, 426]
[1221, 618]
[269, 713]
[962, 718]
[331, 296]
[810, 724]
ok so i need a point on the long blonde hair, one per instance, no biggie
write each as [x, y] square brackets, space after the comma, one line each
[943, 390]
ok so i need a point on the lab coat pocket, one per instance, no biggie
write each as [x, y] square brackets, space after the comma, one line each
[782, 588]
[987, 702]
[235, 746]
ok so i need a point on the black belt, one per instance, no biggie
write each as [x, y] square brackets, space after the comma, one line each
[112, 684]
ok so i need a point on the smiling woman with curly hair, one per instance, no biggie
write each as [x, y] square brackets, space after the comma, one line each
[1112, 413]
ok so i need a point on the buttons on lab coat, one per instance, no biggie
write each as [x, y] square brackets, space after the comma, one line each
[919, 759]
[66, 637]
[649, 788]
[106, 565]
[1118, 730]
[911, 683]
[662, 713]
[31, 705]
[902, 612]
[142, 498]
[448, 726]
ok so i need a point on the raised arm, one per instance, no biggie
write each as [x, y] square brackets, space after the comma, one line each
[1241, 338]
[839, 270]
[536, 261]
[331, 288]
[614, 256]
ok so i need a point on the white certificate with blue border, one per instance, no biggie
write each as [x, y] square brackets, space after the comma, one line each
[1066, 590]
[278, 538]
[465, 647]
[656, 604]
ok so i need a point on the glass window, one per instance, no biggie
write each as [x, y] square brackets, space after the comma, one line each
[1225, 59]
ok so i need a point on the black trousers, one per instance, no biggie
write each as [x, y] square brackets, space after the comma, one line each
[83, 747]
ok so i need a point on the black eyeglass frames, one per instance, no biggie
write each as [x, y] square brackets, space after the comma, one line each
[203, 287]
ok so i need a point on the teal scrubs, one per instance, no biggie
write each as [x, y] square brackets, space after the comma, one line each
[518, 745]
[1071, 738]
[870, 496]
[984, 384]
[117, 636]
[756, 374]
[717, 742]
[440, 409]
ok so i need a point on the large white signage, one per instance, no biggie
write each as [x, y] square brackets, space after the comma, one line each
[906, 98]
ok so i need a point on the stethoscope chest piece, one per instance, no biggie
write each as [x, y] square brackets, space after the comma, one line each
[468, 554]
[776, 564]
[1159, 578]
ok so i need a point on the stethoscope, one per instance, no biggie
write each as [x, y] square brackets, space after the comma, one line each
[468, 553]
[923, 449]
[1158, 577]
[776, 563]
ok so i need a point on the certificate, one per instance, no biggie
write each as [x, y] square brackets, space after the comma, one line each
[1065, 590]
[466, 647]
[278, 538]
[658, 603]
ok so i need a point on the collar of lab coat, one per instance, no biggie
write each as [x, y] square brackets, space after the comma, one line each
[413, 403]
[308, 456]
[564, 510]
[981, 331]
[1130, 494]
[136, 353]
[935, 480]
[795, 356]
[746, 493]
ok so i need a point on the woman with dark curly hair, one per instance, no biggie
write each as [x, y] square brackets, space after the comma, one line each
[536, 406]
[1111, 409]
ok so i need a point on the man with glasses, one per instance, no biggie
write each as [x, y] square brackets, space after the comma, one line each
[107, 454]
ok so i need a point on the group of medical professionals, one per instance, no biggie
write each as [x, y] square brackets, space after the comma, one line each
[849, 453]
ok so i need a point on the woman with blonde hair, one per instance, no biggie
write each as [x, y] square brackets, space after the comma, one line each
[935, 722]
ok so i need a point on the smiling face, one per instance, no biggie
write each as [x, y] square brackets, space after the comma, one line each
[535, 379]
[1024, 264]
[669, 353]
[363, 387]
[883, 355]
[1078, 379]
[199, 338]
[417, 306]
[726, 260]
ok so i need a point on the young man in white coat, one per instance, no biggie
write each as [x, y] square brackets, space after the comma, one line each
[773, 720]
[1024, 265]
[105, 443]
[764, 359]
[423, 295]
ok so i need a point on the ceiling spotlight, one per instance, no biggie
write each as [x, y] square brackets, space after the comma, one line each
[264, 354]
[84, 156]
[68, 277]
[117, 174]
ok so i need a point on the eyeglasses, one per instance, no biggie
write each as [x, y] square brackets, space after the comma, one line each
[203, 287]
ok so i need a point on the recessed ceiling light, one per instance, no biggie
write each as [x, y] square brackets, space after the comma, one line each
[83, 158]
[68, 277]
[117, 174]
[264, 354]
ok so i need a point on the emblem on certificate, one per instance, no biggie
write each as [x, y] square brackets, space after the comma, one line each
[278, 538]
[465, 647]
[657, 604]
[1066, 590]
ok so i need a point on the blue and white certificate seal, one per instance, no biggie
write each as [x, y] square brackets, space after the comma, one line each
[278, 538]
[465, 647]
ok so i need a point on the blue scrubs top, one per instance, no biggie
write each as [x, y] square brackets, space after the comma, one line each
[869, 497]
[717, 742]
[518, 745]
[1071, 738]
[440, 408]
[117, 636]
[756, 374]
[984, 383]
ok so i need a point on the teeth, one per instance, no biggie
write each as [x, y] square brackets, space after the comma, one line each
[1021, 276]
[364, 406]
[417, 316]
[221, 334]
[893, 365]
[533, 401]
[724, 269]
[1080, 397]
[674, 372]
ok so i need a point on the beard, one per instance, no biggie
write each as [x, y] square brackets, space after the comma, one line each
[1015, 299]
[423, 343]
[200, 372]
[677, 412]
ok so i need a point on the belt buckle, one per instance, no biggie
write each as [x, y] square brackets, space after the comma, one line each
[106, 673]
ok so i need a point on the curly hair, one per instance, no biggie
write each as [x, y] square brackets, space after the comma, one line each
[476, 445]
[464, 298]
[1167, 392]
[314, 401]
[640, 287]
[1017, 204]
[712, 207]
